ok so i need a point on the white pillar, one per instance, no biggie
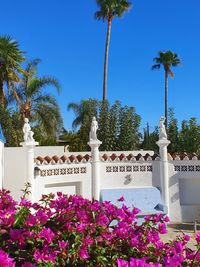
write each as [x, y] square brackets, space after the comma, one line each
[94, 144]
[29, 147]
[1, 164]
[2, 141]
[164, 176]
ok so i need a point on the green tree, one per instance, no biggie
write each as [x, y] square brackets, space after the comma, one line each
[11, 58]
[10, 122]
[118, 126]
[104, 131]
[33, 103]
[173, 133]
[108, 10]
[115, 123]
[189, 136]
[166, 59]
[84, 112]
[150, 139]
[129, 137]
[73, 139]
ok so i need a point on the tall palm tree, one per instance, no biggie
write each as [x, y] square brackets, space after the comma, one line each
[108, 10]
[166, 59]
[10, 59]
[33, 103]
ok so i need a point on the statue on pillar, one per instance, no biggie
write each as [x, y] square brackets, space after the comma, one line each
[162, 134]
[28, 134]
[93, 130]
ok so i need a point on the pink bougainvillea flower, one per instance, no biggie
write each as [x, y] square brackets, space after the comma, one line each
[45, 255]
[28, 264]
[178, 246]
[62, 244]
[47, 234]
[197, 237]
[122, 263]
[186, 238]
[5, 260]
[162, 228]
[62, 228]
[17, 235]
[121, 199]
[166, 219]
[83, 253]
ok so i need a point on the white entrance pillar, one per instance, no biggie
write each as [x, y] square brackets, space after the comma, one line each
[94, 143]
[29, 144]
[164, 175]
[2, 141]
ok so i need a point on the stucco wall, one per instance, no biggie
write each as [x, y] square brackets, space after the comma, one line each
[75, 177]
[15, 170]
[184, 188]
[1, 163]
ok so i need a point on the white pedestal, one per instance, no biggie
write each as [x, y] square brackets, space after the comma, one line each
[164, 176]
[29, 146]
[94, 144]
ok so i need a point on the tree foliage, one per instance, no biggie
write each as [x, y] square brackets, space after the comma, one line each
[150, 139]
[118, 125]
[167, 59]
[108, 10]
[185, 138]
[11, 58]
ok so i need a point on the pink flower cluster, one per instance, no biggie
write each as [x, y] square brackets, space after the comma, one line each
[72, 231]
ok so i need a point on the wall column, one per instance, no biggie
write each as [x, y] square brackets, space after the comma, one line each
[164, 174]
[94, 144]
[29, 144]
[29, 148]
[2, 141]
[1, 164]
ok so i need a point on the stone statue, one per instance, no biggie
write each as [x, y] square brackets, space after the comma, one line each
[162, 134]
[28, 134]
[93, 130]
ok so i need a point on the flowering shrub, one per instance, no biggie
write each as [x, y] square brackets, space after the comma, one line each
[73, 231]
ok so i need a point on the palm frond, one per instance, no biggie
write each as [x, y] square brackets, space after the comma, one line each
[35, 85]
[46, 99]
[49, 118]
[75, 107]
[156, 67]
[112, 8]
[31, 66]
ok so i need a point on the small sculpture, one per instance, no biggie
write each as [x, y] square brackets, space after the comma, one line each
[162, 134]
[28, 134]
[93, 130]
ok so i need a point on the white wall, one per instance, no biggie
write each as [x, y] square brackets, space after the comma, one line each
[184, 186]
[49, 151]
[15, 170]
[1, 164]
[15, 166]
[184, 177]
[125, 174]
[72, 178]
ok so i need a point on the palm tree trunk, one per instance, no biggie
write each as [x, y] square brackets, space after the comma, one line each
[166, 100]
[106, 59]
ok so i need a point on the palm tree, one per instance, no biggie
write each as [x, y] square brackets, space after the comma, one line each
[10, 59]
[33, 103]
[83, 111]
[166, 59]
[108, 10]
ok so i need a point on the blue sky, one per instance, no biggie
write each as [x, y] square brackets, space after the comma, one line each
[70, 43]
